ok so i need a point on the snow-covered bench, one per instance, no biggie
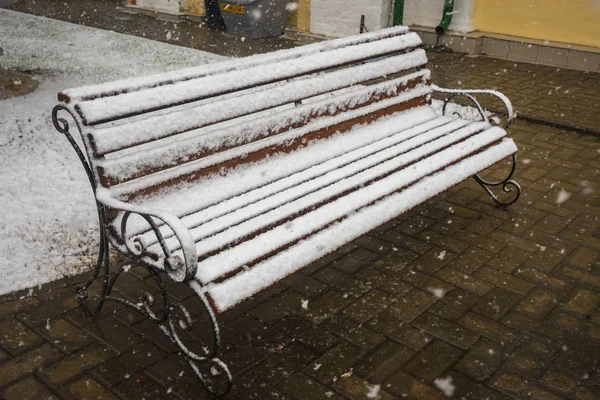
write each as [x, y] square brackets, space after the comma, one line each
[233, 175]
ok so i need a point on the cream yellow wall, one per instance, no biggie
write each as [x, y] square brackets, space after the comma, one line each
[567, 21]
[303, 15]
[193, 7]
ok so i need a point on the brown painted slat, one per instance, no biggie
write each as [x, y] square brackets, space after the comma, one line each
[287, 147]
[109, 180]
[305, 211]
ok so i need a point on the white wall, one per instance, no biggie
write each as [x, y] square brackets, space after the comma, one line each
[342, 17]
[429, 13]
[168, 6]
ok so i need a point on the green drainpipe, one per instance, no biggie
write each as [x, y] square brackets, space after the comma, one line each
[446, 17]
[398, 12]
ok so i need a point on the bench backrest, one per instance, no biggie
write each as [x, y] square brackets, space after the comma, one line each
[142, 134]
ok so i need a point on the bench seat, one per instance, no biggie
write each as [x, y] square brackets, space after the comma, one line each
[255, 225]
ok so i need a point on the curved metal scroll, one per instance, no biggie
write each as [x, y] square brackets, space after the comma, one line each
[166, 317]
[508, 185]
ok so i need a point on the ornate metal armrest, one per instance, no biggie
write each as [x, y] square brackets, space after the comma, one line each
[179, 270]
[467, 93]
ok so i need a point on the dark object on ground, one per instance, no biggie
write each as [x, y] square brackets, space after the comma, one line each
[255, 19]
[258, 167]
[213, 18]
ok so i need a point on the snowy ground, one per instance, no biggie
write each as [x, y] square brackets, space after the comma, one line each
[48, 226]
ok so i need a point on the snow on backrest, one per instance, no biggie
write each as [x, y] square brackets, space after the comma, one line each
[178, 130]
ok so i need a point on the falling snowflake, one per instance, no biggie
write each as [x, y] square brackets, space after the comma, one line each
[563, 196]
[445, 385]
[442, 255]
[305, 304]
[439, 293]
[373, 392]
[293, 6]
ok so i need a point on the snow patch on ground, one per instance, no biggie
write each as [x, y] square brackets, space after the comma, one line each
[48, 227]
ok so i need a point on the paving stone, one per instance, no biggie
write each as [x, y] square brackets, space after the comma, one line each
[28, 389]
[402, 385]
[405, 242]
[384, 362]
[305, 285]
[537, 393]
[464, 281]
[542, 279]
[333, 363]
[445, 330]
[504, 280]
[574, 361]
[510, 383]
[368, 306]
[581, 276]
[87, 388]
[509, 259]
[143, 387]
[496, 303]
[342, 282]
[583, 257]
[76, 364]
[531, 359]
[433, 361]
[326, 305]
[490, 329]
[539, 302]
[350, 330]
[280, 306]
[262, 336]
[306, 333]
[530, 325]
[129, 363]
[242, 358]
[355, 260]
[357, 389]
[454, 244]
[413, 304]
[558, 381]
[65, 335]
[409, 336]
[396, 261]
[12, 307]
[469, 261]
[382, 281]
[302, 387]
[283, 364]
[582, 302]
[433, 260]
[415, 224]
[469, 389]
[426, 282]
[454, 304]
[16, 337]
[482, 359]
[26, 363]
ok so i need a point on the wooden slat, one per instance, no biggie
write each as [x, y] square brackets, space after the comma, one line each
[154, 127]
[326, 188]
[334, 235]
[287, 147]
[134, 84]
[256, 248]
[117, 170]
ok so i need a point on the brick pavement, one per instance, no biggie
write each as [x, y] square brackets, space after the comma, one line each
[505, 302]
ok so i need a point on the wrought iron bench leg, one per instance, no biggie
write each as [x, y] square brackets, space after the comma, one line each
[173, 317]
[508, 185]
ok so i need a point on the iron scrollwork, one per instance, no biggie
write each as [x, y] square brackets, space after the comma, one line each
[171, 317]
[508, 185]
